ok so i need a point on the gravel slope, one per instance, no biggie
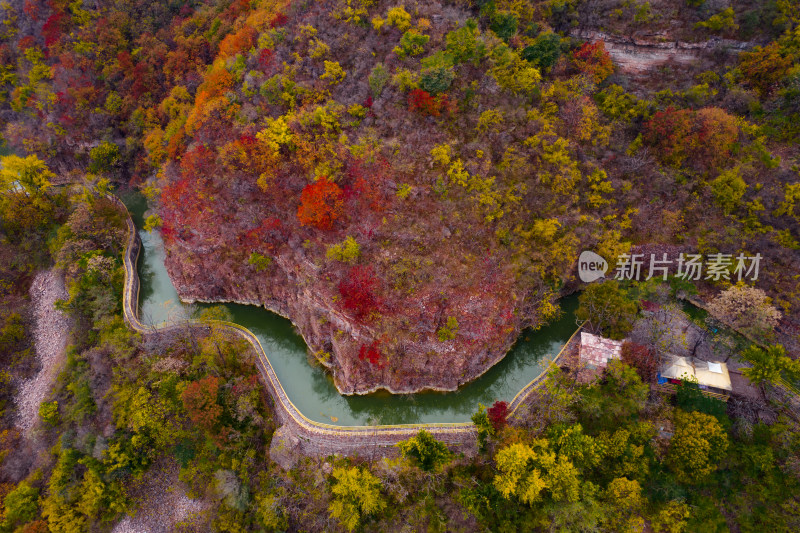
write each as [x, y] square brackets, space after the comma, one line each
[51, 329]
[162, 505]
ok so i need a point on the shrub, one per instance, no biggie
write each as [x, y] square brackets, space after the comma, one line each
[607, 309]
[437, 80]
[448, 332]
[200, 401]
[425, 451]
[704, 138]
[640, 358]
[412, 43]
[765, 67]
[334, 73]
[346, 252]
[377, 79]
[593, 59]
[371, 353]
[722, 21]
[103, 157]
[321, 204]
[399, 18]
[259, 262]
[728, 189]
[421, 100]
[504, 24]
[464, 44]
[544, 52]
[404, 190]
[48, 412]
[498, 415]
[357, 290]
[152, 222]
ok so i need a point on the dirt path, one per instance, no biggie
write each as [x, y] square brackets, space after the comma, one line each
[162, 504]
[51, 329]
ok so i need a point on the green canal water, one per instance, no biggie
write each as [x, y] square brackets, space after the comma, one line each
[311, 389]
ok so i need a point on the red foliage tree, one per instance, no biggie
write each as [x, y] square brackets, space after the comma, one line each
[367, 183]
[670, 131]
[264, 237]
[498, 415]
[422, 101]
[321, 204]
[265, 57]
[641, 358]
[593, 59]
[358, 290]
[371, 353]
[278, 20]
[200, 401]
[32, 9]
[53, 28]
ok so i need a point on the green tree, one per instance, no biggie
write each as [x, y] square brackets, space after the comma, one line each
[526, 472]
[377, 79]
[672, 517]
[728, 189]
[348, 251]
[697, 447]
[27, 174]
[620, 396]
[770, 364]
[606, 307]
[103, 157]
[356, 495]
[48, 412]
[465, 44]
[624, 503]
[425, 451]
[21, 506]
[544, 52]
[412, 43]
[504, 24]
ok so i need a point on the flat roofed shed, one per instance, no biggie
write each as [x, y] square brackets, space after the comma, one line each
[596, 351]
[708, 374]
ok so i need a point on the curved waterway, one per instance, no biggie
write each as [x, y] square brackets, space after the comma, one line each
[311, 389]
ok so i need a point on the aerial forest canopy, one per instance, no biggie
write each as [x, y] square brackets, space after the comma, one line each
[412, 184]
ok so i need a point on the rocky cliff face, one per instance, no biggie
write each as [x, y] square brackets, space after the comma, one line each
[412, 357]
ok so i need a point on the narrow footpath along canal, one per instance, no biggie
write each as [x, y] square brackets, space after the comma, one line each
[307, 384]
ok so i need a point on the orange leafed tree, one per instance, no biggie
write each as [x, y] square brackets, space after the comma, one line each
[238, 42]
[764, 68]
[321, 204]
[704, 138]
